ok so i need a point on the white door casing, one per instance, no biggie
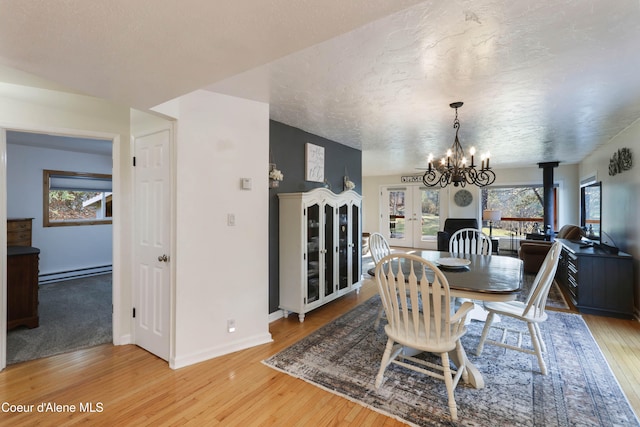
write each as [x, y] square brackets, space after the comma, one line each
[152, 243]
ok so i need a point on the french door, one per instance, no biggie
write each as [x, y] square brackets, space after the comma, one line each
[410, 215]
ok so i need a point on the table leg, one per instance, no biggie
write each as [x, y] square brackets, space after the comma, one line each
[475, 377]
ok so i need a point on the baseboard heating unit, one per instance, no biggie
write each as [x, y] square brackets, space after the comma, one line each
[74, 274]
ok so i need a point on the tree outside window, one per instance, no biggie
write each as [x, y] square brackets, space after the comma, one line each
[76, 198]
[521, 209]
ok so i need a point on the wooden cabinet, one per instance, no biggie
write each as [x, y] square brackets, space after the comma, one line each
[22, 286]
[320, 248]
[597, 282]
[19, 231]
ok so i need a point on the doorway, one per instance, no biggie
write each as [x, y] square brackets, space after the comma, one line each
[27, 154]
[410, 215]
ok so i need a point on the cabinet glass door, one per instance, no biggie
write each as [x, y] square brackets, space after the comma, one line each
[329, 245]
[343, 246]
[313, 253]
[356, 241]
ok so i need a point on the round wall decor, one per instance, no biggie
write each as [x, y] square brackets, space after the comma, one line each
[463, 198]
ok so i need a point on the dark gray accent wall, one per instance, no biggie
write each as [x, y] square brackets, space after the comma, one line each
[287, 148]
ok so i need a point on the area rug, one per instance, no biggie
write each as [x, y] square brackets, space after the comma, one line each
[74, 314]
[580, 390]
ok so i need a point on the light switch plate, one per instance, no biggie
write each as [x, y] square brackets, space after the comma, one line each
[246, 183]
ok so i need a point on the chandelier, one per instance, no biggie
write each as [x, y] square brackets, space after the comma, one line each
[454, 169]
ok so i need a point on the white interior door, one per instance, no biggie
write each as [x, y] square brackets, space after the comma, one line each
[410, 216]
[152, 290]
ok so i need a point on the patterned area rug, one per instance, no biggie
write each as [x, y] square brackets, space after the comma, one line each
[580, 390]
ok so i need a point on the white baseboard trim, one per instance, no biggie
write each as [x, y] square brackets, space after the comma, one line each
[211, 353]
[123, 340]
[276, 315]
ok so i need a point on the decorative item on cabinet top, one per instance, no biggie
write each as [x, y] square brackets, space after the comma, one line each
[348, 184]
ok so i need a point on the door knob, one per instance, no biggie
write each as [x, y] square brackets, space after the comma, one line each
[163, 258]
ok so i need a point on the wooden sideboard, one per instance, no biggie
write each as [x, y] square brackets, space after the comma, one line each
[596, 281]
[22, 286]
[22, 275]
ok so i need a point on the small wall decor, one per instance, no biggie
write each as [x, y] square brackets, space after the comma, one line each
[314, 158]
[275, 176]
[620, 161]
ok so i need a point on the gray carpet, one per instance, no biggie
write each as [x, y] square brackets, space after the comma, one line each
[580, 390]
[74, 314]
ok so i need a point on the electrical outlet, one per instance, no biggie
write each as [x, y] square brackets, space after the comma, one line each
[231, 325]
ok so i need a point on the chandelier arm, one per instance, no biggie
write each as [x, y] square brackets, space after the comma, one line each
[471, 176]
[486, 177]
[429, 179]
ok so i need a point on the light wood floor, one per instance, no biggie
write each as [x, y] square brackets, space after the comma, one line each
[132, 387]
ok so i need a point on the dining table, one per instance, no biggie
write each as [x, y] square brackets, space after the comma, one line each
[477, 277]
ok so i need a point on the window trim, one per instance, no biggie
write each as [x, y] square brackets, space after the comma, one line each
[46, 186]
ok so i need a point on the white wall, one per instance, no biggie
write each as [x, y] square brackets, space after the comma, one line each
[620, 196]
[61, 248]
[564, 175]
[221, 270]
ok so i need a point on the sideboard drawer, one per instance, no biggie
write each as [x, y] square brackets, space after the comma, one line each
[19, 231]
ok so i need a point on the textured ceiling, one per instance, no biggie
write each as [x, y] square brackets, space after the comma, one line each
[541, 81]
[145, 52]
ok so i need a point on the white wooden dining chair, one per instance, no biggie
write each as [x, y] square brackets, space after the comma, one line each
[379, 248]
[420, 316]
[531, 312]
[470, 241]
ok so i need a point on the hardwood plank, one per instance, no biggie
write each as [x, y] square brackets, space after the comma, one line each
[137, 388]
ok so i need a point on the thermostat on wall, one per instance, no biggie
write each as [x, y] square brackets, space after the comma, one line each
[246, 183]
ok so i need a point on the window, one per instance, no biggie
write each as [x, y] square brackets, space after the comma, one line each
[430, 212]
[521, 208]
[76, 198]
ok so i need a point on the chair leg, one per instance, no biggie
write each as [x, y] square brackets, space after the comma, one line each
[485, 332]
[536, 347]
[384, 362]
[448, 381]
[543, 346]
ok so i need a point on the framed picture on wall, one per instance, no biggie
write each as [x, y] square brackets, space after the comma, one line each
[314, 160]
